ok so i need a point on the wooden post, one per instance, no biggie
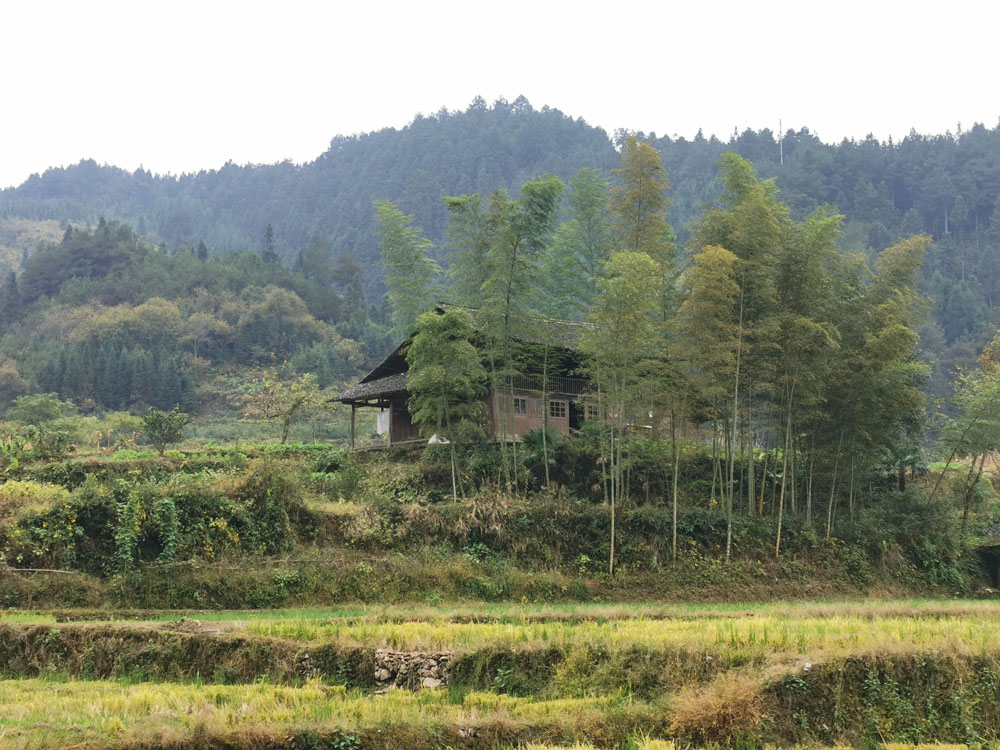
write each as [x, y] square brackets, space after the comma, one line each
[353, 408]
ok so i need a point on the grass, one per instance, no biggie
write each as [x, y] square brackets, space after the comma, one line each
[99, 712]
[482, 612]
[731, 638]
[578, 676]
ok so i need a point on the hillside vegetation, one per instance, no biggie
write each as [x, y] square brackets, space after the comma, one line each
[945, 185]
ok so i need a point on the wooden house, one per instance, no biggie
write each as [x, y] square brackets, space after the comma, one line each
[519, 405]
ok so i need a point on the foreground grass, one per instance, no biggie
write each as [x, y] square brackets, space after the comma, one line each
[107, 713]
[628, 676]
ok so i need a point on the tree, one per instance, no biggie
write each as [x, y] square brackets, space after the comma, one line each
[12, 385]
[162, 428]
[497, 257]
[709, 325]
[40, 409]
[622, 333]
[446, 380]
[412, 277]
[270, 255]
[268, 398]
[639, 203]
[315, 262]
[10, 302]
[467, 240]
[975, 432]
[581, 245]
[204, 330]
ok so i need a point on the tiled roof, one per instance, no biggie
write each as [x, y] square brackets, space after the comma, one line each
[392, 385]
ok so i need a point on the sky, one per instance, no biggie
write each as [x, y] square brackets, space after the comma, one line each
[183, 86]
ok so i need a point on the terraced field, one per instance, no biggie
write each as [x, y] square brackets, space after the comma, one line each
[485, 676]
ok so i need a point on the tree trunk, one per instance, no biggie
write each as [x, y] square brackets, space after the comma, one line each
[809, 480]
[784, 480]
[833, 485]
[970, 487]
[454, 479]
[545, 414]
[673, 440]
[715, 457]
[611, 556]
[736, 419]
[763, 476]
[850, 491]
[727, 493]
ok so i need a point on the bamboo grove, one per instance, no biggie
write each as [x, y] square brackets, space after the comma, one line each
[789, 360]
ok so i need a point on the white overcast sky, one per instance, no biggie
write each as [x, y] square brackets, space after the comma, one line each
[181, 86]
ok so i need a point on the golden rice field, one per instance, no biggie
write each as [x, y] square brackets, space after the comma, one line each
[837, 674]
[751, 635]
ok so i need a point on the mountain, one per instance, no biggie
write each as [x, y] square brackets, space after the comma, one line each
[946, 185]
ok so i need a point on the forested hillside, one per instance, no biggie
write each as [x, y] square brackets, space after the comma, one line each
[945, 185]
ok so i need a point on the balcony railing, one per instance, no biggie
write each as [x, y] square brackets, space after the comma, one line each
[566, 386]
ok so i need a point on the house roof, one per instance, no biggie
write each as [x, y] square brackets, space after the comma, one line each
[388, 378]
[369, 390]
[565, 334]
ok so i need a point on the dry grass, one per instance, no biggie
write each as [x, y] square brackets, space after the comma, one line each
[727, 707]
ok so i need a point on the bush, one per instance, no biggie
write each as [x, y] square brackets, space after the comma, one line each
[21, 498]
[908, 530]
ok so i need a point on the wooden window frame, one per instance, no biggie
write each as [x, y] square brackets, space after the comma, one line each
[523, 404]
[558, 409]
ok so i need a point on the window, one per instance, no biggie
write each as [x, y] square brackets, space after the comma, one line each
[557, 409]
[520, 406]
[593, 413]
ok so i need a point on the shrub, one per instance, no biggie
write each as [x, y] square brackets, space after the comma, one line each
[21, 498]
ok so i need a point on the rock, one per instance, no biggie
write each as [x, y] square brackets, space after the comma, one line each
[382, 674]
[431, 682]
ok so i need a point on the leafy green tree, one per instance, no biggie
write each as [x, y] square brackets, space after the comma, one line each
[40, 409]
[467, 240]
[267, 397]
[315, 262]
[10, 302]
[975, 432]
[413, 278]
[12, 385]
[163, 428]
[622, 333]
[580, 247]
[446, 380]
[503, 255]
[639, 202]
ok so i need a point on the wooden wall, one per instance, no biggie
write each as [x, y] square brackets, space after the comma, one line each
[533, 417]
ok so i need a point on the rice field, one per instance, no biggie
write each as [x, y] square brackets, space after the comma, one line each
[751, 635]
[539, 677]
